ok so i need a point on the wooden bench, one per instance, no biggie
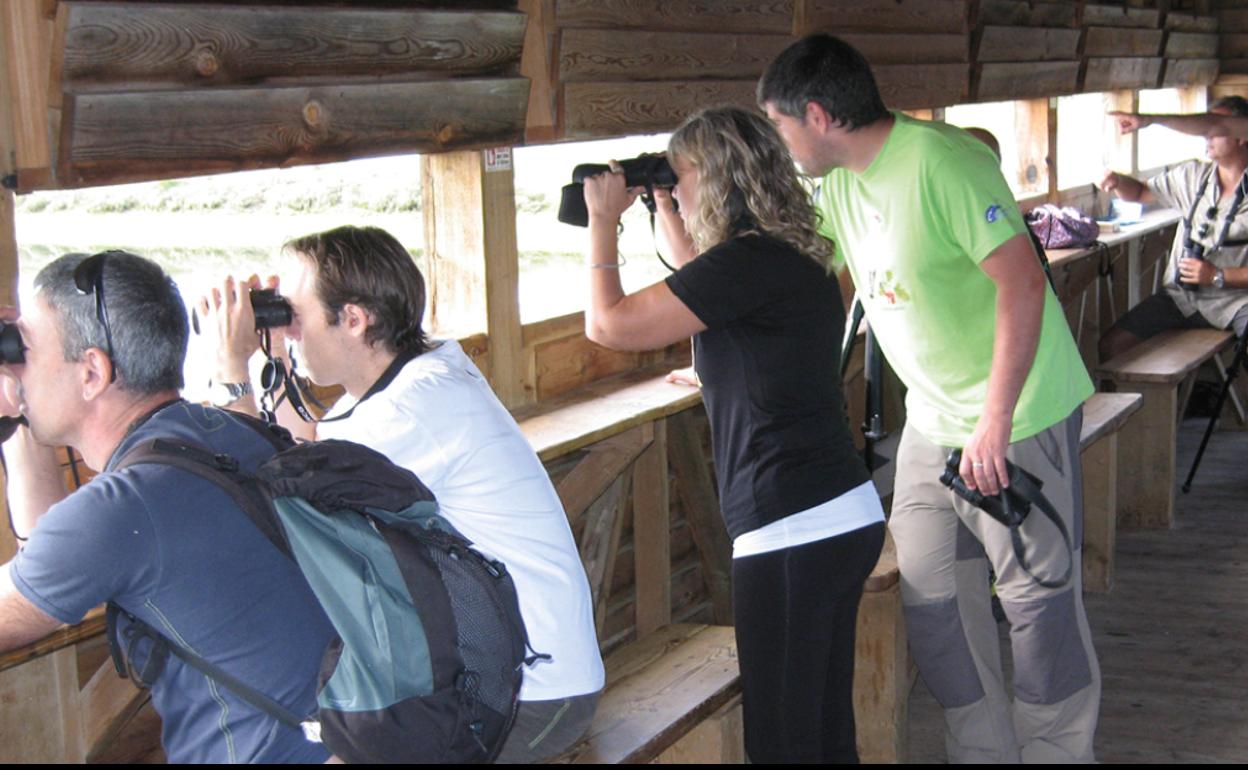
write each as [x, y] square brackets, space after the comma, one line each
[1161, 369]
[1104, 414]
[675, 695]
[609, 421]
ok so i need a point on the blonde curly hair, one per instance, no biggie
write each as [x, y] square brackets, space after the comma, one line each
[748, 183]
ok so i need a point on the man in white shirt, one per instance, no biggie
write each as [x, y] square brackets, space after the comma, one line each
[357, 299]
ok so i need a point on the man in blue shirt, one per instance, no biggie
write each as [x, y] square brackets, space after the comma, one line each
[105, 340]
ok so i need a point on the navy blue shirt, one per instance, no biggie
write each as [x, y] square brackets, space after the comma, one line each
[174, 550]
[769, 365]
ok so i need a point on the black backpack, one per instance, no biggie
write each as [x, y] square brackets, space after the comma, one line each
[427, 669]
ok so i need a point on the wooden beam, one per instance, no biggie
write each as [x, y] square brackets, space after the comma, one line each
[1191, 45]
[1187, 22]
[600, 544]
[909, 47]
[1232, 19]
[1112, 74]
[8, 137]
[539, 64]
[470, 243]
[699, 500]
[1031, 117]
[113, 137]
[1233, 46]
[1026, 13]
[1119, 150]
[911, 86]
[652, 526]
[1120, 16]
[8, 248]
[1004, 81]
[1113, 41]
[1027, 44]
[115, 46]
[502, 276]
[557, 328]
[1190, 72]
[686, 15]
[107, 703]
[619, 109]
[602, 465]
[886, 16]
[602, 55]
[27, 42]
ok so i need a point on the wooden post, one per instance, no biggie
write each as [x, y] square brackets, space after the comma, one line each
[1052, 156]
[1032, 120]
[652, 534]
[1121, 152]
[8, 296]
[540, 64]
[470, 243]
[27, 42]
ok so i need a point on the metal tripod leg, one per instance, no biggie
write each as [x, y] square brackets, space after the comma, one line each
[1228, 381]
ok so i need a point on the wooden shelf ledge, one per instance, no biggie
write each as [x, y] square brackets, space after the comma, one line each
[603, 409]
[92, 625]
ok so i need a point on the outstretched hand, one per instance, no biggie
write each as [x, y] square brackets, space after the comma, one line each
[1130, 122]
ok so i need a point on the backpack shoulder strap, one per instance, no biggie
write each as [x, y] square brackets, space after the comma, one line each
[219, 468]
[271, 432]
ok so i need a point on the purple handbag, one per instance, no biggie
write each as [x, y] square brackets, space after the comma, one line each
[1062, 228]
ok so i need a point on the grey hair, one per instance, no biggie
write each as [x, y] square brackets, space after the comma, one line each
[145, 313]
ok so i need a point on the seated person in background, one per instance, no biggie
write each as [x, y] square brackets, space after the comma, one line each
[1215, 226]
[105, 340]
[357, 299]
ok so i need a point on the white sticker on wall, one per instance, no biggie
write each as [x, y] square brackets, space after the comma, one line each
[497, 159]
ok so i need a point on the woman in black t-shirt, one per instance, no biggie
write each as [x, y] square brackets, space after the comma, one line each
[767, 319]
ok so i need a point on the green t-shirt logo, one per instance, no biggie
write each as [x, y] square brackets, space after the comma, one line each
[888, 289]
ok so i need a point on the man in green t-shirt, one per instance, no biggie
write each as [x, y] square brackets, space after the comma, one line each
[956, 297]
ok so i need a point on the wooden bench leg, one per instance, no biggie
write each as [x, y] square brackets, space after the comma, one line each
[720, 740]
[1146, 464]
[882, 678]
[1100, 513]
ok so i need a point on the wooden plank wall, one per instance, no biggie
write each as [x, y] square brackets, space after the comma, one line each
[107, 92]
[610, 67]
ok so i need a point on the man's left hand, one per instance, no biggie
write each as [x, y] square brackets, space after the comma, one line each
[983, 457]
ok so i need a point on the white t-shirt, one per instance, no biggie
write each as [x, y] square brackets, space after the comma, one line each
[440, 419]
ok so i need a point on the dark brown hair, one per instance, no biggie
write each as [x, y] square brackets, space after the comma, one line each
[368, 267]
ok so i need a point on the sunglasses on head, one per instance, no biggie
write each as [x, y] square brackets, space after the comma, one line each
[89, 279]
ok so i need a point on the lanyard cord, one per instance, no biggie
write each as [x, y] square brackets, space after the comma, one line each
[1230, 212]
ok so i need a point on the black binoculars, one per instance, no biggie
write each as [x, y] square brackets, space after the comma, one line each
[270, 308]
[650, 171]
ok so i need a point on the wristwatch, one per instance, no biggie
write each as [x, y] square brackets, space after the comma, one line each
[1219, 279]
[222, 394]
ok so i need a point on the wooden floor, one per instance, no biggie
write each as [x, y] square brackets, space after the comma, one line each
[1172, 636]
